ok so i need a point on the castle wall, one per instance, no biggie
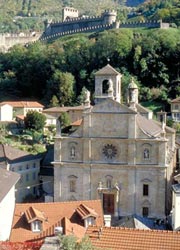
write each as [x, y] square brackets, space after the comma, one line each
[9, 40]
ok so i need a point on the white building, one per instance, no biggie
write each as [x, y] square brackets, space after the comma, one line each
[6, 112]
[7, 202]
[27, 165]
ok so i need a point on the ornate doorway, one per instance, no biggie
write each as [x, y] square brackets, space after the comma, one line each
[108, 203]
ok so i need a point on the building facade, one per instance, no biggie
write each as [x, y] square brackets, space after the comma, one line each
[7, 202]
[175, 109]
[116, 154]
[26, 165]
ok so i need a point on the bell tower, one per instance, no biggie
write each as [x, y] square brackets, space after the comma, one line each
[107, 84]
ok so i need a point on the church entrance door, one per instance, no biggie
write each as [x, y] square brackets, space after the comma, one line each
[108, 203]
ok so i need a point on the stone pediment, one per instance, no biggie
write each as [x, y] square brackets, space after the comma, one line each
[111, 106]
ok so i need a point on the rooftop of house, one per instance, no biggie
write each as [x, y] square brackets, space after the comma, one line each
[63, 109]
[7, 180]
[68, 215]
[23, 104]
[177, 100]
[116, 238]
[13, 155]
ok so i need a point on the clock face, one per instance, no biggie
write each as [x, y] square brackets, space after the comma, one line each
[109, 151]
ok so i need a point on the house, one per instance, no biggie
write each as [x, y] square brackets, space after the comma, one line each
[7, 201]
[25, 164]
[10, 109]
[117, 153]
[175, 213]
[116, 238]
[46, 174]
[175, 109]
[36, 221]
[75, 113]
[6, 112]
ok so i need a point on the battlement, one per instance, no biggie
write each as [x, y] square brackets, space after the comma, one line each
[83, 30]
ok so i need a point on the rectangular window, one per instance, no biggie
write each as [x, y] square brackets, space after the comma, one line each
[34, 175]
[145, 211]
[145, 189]
[27, 177]
[36, 226]
[72, 185]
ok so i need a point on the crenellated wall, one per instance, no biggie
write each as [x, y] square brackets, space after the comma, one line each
[79, 23]
[73, 24]
[74, 31]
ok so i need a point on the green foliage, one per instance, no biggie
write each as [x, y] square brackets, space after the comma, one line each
[56, 73]
[70, 243]
[35, 121]
[62, 84]
[64, 119]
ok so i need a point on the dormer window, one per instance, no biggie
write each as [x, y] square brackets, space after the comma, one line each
[36, 226]
[35, 219]
[89, 221]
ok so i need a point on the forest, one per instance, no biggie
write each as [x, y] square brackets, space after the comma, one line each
[56, 73]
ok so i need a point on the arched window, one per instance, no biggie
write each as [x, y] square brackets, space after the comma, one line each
[146, 153]
[109, 179]
[72, 183]
[105, 87]
[72, 152]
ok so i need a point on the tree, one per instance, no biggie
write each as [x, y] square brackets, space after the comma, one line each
[35, 121]
[64, 120]
[70, 242]
[62, 85]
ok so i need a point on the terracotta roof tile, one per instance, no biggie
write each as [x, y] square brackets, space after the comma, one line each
[23, 104]
[34, 214]
[85, 211]
[77, 123]
[54, 214]
[133, 239]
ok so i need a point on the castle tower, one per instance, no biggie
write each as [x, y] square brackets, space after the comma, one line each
[109, 17]
[107, 84]
[69, 13]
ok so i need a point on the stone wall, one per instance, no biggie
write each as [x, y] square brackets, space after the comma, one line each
[8, 40]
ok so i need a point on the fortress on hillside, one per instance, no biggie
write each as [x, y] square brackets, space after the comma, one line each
[72, 23]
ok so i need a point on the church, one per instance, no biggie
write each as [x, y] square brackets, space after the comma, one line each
[118, 154]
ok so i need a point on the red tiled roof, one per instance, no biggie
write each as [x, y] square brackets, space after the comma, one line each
[116, 238]
[23, 104]
[77, 123]
[21, 117]
[33, 214]
[6, 245]
[54, 214]
[85, 211]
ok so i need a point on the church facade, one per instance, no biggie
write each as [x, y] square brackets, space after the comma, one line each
[118, 154]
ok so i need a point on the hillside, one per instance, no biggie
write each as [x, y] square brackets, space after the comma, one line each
[18, 15]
